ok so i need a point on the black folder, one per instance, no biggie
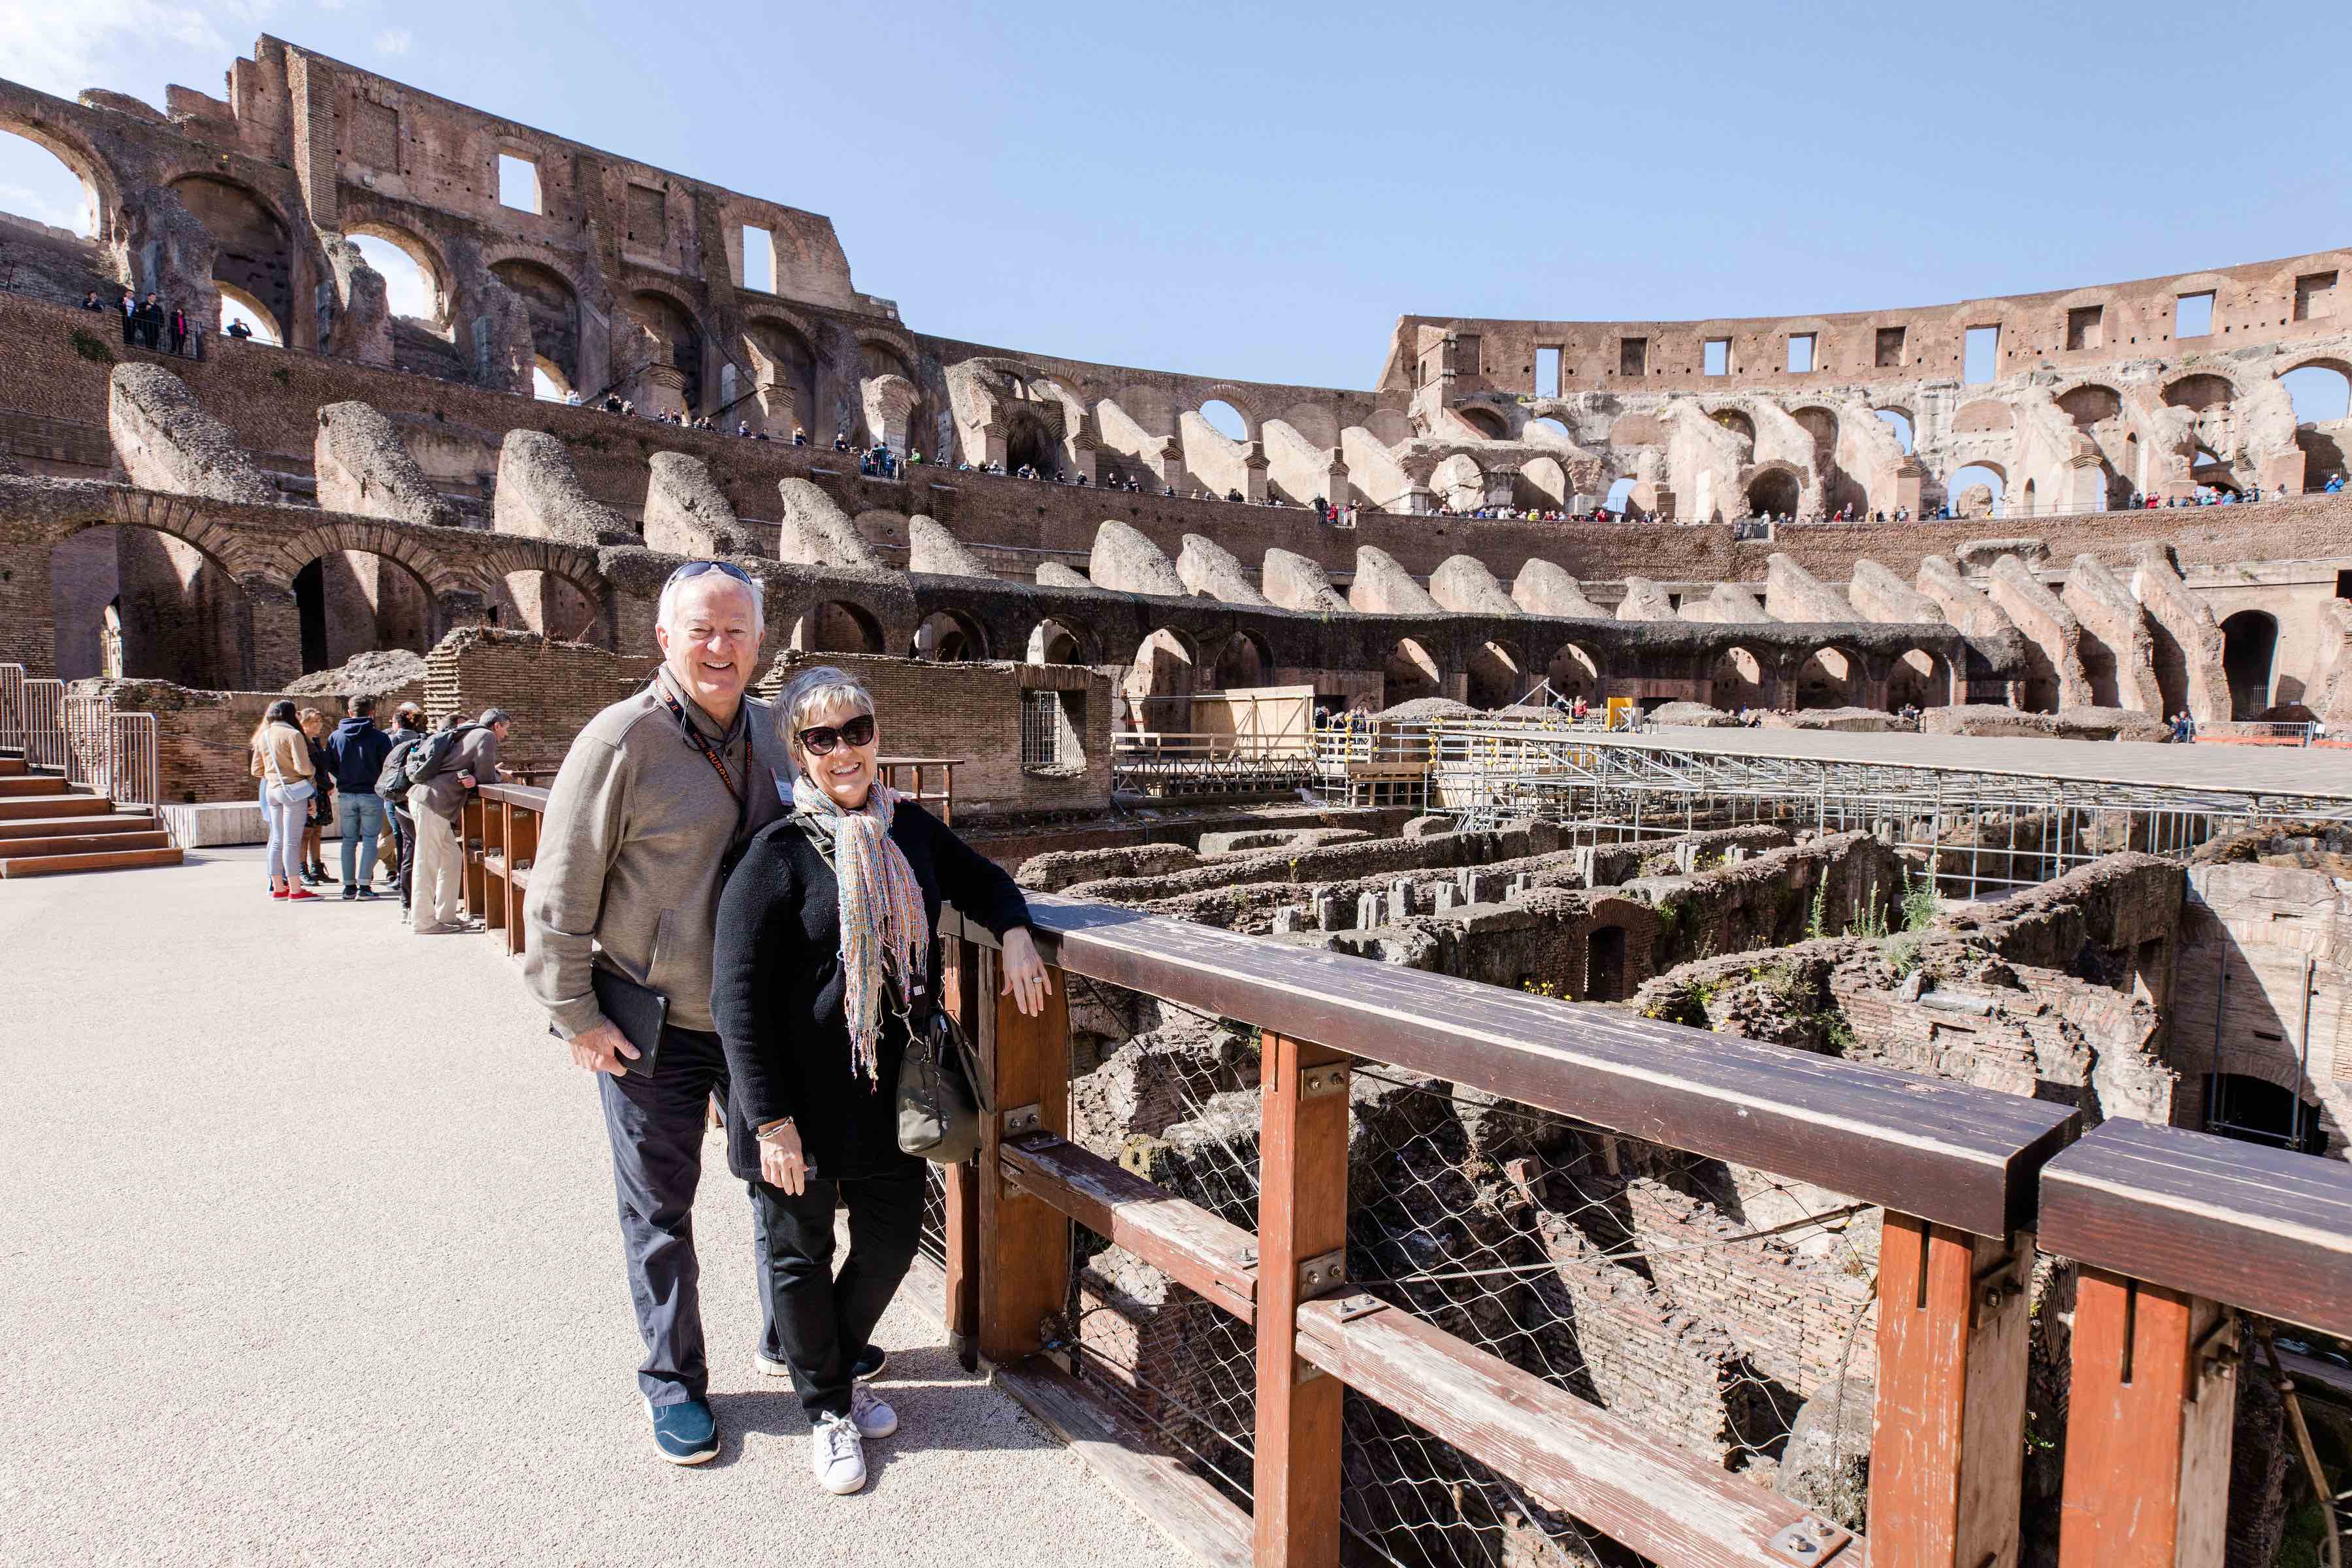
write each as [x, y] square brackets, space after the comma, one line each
[637, 1011]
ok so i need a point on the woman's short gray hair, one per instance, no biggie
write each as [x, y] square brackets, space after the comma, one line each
[811, 692]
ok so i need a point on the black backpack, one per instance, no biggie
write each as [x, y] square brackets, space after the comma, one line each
[392, 782]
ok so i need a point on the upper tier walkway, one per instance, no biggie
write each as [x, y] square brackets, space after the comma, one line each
[310, 1257]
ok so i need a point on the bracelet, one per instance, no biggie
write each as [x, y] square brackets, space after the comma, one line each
[768, 1134]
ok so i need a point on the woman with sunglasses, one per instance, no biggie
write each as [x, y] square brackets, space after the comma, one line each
[826, 962]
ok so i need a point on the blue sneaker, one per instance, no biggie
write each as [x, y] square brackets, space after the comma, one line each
[685, 1433]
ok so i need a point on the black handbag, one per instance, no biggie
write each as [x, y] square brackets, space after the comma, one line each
[939, 1098]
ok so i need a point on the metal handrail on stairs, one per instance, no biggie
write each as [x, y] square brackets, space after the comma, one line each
[84, 740]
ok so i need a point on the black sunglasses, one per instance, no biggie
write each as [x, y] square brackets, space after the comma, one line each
[693, 569]
[821, 741]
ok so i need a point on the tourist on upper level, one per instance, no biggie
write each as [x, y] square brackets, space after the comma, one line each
[179, 326]
[453, 770]
[281, 760]
[150, 321]
[800, 436]
[356, 752]
[657, 796]
[2334, 485]
[828, 959]
[129, 306]
[90, 302]
[239, 329]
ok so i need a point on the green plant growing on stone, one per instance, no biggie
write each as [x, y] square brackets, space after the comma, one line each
[1919, 903]
[91, 347]
[1816, 926]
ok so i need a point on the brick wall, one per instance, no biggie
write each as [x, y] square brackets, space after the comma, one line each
[201, 737]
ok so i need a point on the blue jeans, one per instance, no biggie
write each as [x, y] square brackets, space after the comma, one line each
[363, 826]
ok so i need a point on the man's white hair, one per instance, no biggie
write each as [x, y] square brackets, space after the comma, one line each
[670, 591]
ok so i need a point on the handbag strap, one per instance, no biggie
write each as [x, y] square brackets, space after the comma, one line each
[948, 1025]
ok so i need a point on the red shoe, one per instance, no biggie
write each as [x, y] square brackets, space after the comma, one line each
[299, 894]
[277, 892]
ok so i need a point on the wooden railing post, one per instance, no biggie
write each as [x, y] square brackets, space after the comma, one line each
[1024, 1242]
[1947, 1459]
[2148, 1413]
[961, 1309]
[1302, 1230]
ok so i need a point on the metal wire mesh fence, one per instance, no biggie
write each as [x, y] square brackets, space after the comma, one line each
[1701, 1303]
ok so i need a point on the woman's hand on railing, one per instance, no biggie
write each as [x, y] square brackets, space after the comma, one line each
[1025, 980]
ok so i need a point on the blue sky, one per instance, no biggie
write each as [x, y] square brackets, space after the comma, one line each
[1259, 191]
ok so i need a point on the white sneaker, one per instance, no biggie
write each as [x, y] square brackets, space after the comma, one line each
[837, 1456]
[873, 1417]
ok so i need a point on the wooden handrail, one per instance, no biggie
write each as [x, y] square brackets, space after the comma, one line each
[1948, 1153]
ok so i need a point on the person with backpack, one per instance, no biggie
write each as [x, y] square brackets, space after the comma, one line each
[392, 787]
[356, 752]
[441, 774]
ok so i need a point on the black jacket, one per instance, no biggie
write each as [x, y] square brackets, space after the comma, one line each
[358, 749]
[776, 990]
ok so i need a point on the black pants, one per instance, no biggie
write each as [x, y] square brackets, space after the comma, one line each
[655, 1126]
[825, 1318]
[403, 832]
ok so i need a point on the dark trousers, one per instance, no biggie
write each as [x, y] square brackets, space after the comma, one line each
[403, 829]
[655, 1126]
[825, 1318]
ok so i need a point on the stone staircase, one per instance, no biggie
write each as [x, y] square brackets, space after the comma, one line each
[47, 829]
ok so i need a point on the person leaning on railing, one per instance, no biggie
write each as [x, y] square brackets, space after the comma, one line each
[826, 958]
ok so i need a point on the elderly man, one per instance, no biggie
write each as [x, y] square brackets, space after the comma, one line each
[451, 771]
[657, 796]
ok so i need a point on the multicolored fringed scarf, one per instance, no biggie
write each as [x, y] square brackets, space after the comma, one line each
[882, 927]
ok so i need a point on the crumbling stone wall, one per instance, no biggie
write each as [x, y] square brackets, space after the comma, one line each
[168, 442]
[1772, 900]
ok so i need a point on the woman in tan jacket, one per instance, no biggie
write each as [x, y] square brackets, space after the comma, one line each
[281, 760]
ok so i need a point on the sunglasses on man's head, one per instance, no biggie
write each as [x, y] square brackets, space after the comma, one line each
[858, 732]
[694, 569]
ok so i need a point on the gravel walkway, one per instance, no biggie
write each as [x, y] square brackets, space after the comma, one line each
[309, 1256]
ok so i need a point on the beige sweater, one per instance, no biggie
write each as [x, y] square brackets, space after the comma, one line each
[627, 869]
[283, 755]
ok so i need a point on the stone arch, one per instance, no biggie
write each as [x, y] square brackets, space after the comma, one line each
[1241, 401]
[1459, 482]
[1030, 439]
[1057, 641]
[1496, 675]
[1774, 488]
[398, 544]
[1739, 677]
[1984, 417]
[1543, 482]
[1575, 670]
[1902, 422]
[664, 335]
[1736, 421]
[419, 249]
[951, 636]
[253, 259]
[784, 369]
[531, 584]
[1160, 680]
[2267, 1103]
[553, 303]
[1409, 671]
[2201, 391]
[353, 601]
[182, 609]
[836, 625]
[2090, 403]
[66, 142]
[1486, 422]
[1244, 660]
[1830, 676]
[1919, 677]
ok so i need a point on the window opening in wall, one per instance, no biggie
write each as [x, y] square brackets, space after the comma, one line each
[517, 183]
[1620, 496]
[407, 291]
[1982, 361]
[546, 382]
[1546, 373]
[1716, 357]
[1633, 356]
[257, 321]
[2315, 297]
[2192, 315]
[35, 182]
[2085, 328]
[2320, 392]
[1224, 419]
[1902, 424]
[759, 260]
[1890, 347]
[1801, 352]
[1041, 728]
[2343, 584]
